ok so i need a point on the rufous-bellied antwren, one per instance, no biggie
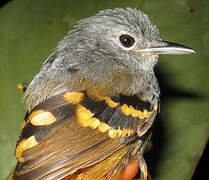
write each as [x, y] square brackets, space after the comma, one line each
[91, 106]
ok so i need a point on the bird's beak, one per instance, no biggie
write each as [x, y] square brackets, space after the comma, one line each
[167, 48]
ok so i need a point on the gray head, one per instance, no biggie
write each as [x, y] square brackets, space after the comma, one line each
[117, 48]
[115, 35]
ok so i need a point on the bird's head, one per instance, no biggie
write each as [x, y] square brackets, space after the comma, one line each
[121, 37]
[116, 48]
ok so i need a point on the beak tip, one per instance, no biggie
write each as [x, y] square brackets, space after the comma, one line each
[193, 51]
[190, 51]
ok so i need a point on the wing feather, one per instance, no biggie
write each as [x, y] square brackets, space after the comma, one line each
[66, 146]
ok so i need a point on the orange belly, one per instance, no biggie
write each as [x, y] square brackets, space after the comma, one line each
[128, 173]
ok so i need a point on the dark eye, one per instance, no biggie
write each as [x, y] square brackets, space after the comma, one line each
[126, 40]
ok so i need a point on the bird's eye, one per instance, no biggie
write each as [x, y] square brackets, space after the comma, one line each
[126, 40]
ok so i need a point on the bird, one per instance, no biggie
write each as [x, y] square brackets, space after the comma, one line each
[91, 106]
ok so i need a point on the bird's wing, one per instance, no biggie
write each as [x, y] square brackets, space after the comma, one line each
[70, 131]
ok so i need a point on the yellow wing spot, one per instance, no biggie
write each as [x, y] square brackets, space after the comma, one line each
[155, 108]
[146, 113]
[110, 102]
[83, 114]
[20, 88]
[24, 145]
[93, 123]
[74, 97]
[124, 132]
[23, 124]
[129, 110]
[112, 133]
[119, 132]
[103, 127]
[125, 109]
[41, 118]
[127, 132]
[86, 119]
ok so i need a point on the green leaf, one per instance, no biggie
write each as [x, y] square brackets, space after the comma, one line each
[30, 30]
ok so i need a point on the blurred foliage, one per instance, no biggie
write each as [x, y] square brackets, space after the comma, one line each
[30, 30]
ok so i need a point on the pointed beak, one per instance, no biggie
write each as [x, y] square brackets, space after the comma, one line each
[168, 48]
